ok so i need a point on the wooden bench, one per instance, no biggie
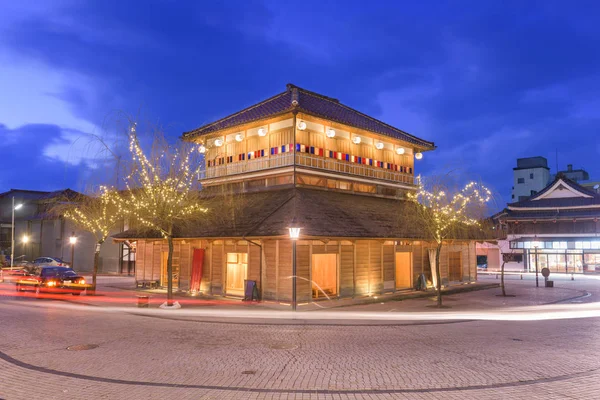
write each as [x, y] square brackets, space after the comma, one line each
[147, 284]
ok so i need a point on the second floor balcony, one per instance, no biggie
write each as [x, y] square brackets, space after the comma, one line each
[352, 167]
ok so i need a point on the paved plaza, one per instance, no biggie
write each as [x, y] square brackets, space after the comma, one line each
[160, 356]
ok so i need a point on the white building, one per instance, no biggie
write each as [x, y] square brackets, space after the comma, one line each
[530, 176]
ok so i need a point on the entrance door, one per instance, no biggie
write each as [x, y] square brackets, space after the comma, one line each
[237, 272]
[324, 275]
[404, 270]
[163, 271]
[455, 266]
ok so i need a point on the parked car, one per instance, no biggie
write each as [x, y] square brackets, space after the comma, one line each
[52, 279]
[12, 275]
[53, 261]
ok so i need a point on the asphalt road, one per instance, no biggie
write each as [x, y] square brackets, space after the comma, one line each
[150, 357]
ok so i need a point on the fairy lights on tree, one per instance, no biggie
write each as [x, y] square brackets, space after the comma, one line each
[97, 214]
[445, 216]
[161, 191]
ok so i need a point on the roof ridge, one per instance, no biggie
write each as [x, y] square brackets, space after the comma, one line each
[235, 114]
[292, 86]
[365, 115]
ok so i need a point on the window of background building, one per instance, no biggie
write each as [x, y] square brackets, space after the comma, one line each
[533, 192]
[521, 180]
[531, 176]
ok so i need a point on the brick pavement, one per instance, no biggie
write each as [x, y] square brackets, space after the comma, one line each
[140, 357]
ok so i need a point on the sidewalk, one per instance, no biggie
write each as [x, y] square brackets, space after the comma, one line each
[484, 294]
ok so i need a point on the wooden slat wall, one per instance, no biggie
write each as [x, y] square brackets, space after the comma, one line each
[254, 264]
[280, 137]
[140, 260]
[185, 264]
[389, 266]
[218, 262]
[270, 273]
[156, 260]
[375, 276]
[347, 270]
[362, 267]
[303, 265]
[284, 287]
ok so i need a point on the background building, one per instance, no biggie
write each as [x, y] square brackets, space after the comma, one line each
[556, 228]
[576, 175]
[48, 235]
[529, 177]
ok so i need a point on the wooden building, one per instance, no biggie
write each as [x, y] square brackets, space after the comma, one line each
[300, 159]
[556, 228]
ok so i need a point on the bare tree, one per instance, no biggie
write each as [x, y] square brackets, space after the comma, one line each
[446, 214]
[161, 190]
[96, 213]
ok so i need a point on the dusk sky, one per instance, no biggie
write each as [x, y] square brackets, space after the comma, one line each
[488, 82]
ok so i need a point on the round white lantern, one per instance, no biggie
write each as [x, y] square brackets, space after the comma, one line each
[418, 155]
[400, 150]
[218, 142]
[330, 133]
[262, 132]
[302, 125]
[239, 137]
[202, 149]
[379, 145]
[356, 139]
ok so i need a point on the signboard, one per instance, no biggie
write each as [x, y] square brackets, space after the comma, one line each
[250, 291]
[512, 257]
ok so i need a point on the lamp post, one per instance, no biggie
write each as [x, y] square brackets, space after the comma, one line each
[12, 246]
[535, 246]
[73, 240]
[294, 235]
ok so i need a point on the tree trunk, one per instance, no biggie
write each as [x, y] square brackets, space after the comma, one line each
[95, 270]
[438, 274]
[502, 279]
[170, 271]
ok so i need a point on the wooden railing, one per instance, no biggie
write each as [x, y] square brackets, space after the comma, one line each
[306, 160]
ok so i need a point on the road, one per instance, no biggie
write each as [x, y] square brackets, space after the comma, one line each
[153, 357]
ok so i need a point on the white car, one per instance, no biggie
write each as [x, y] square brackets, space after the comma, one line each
[50, 261]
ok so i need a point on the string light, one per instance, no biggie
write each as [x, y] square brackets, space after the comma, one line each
[444, 213]
[159, 194]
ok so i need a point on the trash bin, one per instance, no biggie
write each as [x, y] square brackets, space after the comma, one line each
[549, 283]
[143, 301]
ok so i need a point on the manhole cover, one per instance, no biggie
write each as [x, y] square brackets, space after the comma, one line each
[248, 372]
[79, 347]
[283, 346]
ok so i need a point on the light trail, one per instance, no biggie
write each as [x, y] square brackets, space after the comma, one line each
[241, 313]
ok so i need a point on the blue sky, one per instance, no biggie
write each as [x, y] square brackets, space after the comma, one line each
[487, 81]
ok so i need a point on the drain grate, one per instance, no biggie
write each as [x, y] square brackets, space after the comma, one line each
[517, 340]
[283, 346]
[80, 347]
[248, 372]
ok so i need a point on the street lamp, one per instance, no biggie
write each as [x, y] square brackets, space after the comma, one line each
[294, 230]
[535, 246]
[12, 247]
[25, 240]
[73, 240]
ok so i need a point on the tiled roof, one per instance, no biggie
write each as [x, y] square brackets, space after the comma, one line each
[320, 213]
[565, 202]
[301, 100]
